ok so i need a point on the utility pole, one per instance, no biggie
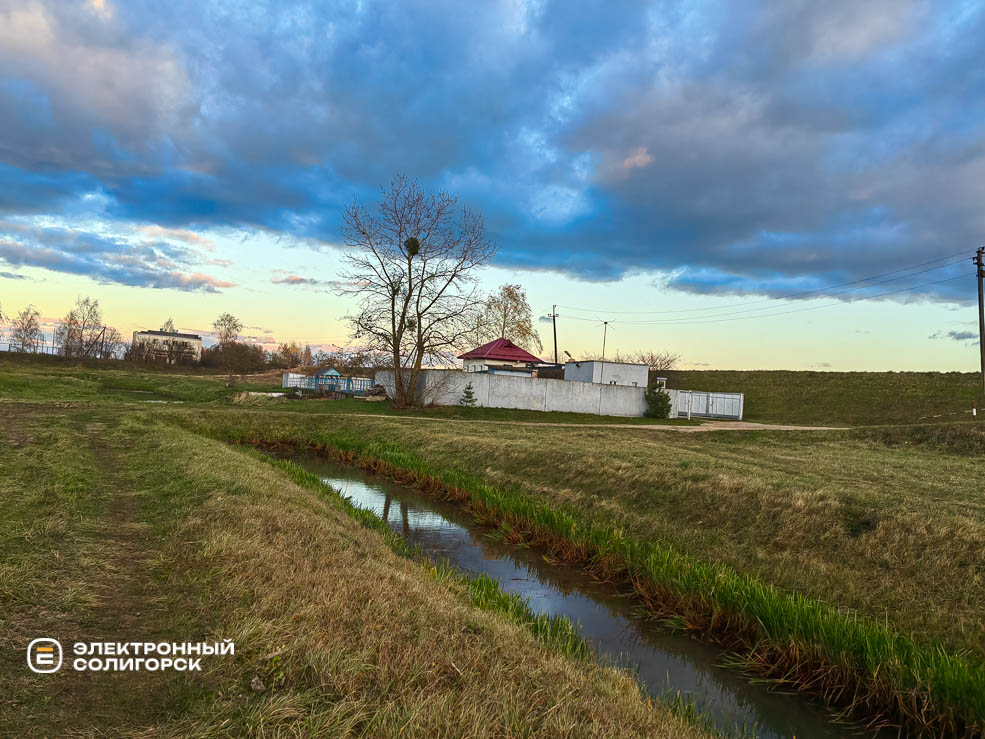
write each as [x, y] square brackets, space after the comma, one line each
[979, 260]
[554, 321]
[605, 330]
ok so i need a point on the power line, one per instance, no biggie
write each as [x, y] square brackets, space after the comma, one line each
[831, 295]
[707, 319]
[792, 295]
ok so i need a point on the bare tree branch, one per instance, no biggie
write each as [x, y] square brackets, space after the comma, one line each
[412, 264]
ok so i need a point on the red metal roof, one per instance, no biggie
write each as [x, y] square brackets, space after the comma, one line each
[502, 349]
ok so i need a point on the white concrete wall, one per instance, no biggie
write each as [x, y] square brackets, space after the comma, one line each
[445, 387]
[607, 373]
[578, 371]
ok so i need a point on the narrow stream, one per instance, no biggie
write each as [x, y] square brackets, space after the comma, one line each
[663, 660]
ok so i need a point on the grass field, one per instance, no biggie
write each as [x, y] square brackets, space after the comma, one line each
[803, 398]
[848, 563]
[117, 527]
[838, 398]
[60, 381]
[892, 529]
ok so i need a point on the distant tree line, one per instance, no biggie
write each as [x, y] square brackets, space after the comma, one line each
[82, 334]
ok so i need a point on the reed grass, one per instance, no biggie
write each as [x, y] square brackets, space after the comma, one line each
[557, 632]
[853, 663]
[340, 630]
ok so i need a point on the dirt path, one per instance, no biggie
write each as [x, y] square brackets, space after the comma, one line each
[705, 425]
[127, 608]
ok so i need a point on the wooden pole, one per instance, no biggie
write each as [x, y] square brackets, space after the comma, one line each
[605, 330]
[980, 263]
[554, 321]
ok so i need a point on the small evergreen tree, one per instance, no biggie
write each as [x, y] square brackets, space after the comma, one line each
[658, 403]
[468, 397]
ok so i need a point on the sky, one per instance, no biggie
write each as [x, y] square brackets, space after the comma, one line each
[794, 185]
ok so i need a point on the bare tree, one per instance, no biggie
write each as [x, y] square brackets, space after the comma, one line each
[226, 329]
[289, 355]
[412, 263]
[351, 361]
[3, 318]
[110, 344]
[506, 314]
[81, 331]
[656, 361]
[177, 351]
[171, 349]
[614, 357]
[26, 330]
[140, 351]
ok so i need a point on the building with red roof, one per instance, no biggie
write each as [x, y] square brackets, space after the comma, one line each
[501, 356]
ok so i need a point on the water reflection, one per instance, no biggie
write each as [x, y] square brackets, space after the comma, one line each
[662, 659]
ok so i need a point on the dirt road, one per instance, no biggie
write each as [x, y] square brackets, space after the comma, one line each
[705, 426]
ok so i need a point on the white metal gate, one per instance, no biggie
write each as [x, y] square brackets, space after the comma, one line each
[700, 404]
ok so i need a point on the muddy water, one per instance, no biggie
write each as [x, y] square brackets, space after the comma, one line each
[663, 660]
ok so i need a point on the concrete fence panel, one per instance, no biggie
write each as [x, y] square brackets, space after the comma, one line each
[446, 387]
[572, 397]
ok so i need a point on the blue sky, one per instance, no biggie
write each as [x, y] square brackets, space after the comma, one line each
[651, 164]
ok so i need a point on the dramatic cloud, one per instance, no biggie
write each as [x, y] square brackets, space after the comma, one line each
[105, 259]
[12, 276]
[736, 145]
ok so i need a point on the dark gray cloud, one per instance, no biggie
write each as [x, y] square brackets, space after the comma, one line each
[12, 276]
[746, 146]
[970, 337]
[305, 282]
[155, 264]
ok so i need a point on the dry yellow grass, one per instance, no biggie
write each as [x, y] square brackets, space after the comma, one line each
[895, 532]
[346, 636]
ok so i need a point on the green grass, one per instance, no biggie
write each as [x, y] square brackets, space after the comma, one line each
[346, 631]
[774, 535]
[840, 398]
[556, 631]
[809, 398]
[45, 381]
[861, 551]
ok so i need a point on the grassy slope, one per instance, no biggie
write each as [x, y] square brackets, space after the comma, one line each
[844, 398]
[896, 533]
[346, 635]
[26, 380]
[61, 381]
[856, 398]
